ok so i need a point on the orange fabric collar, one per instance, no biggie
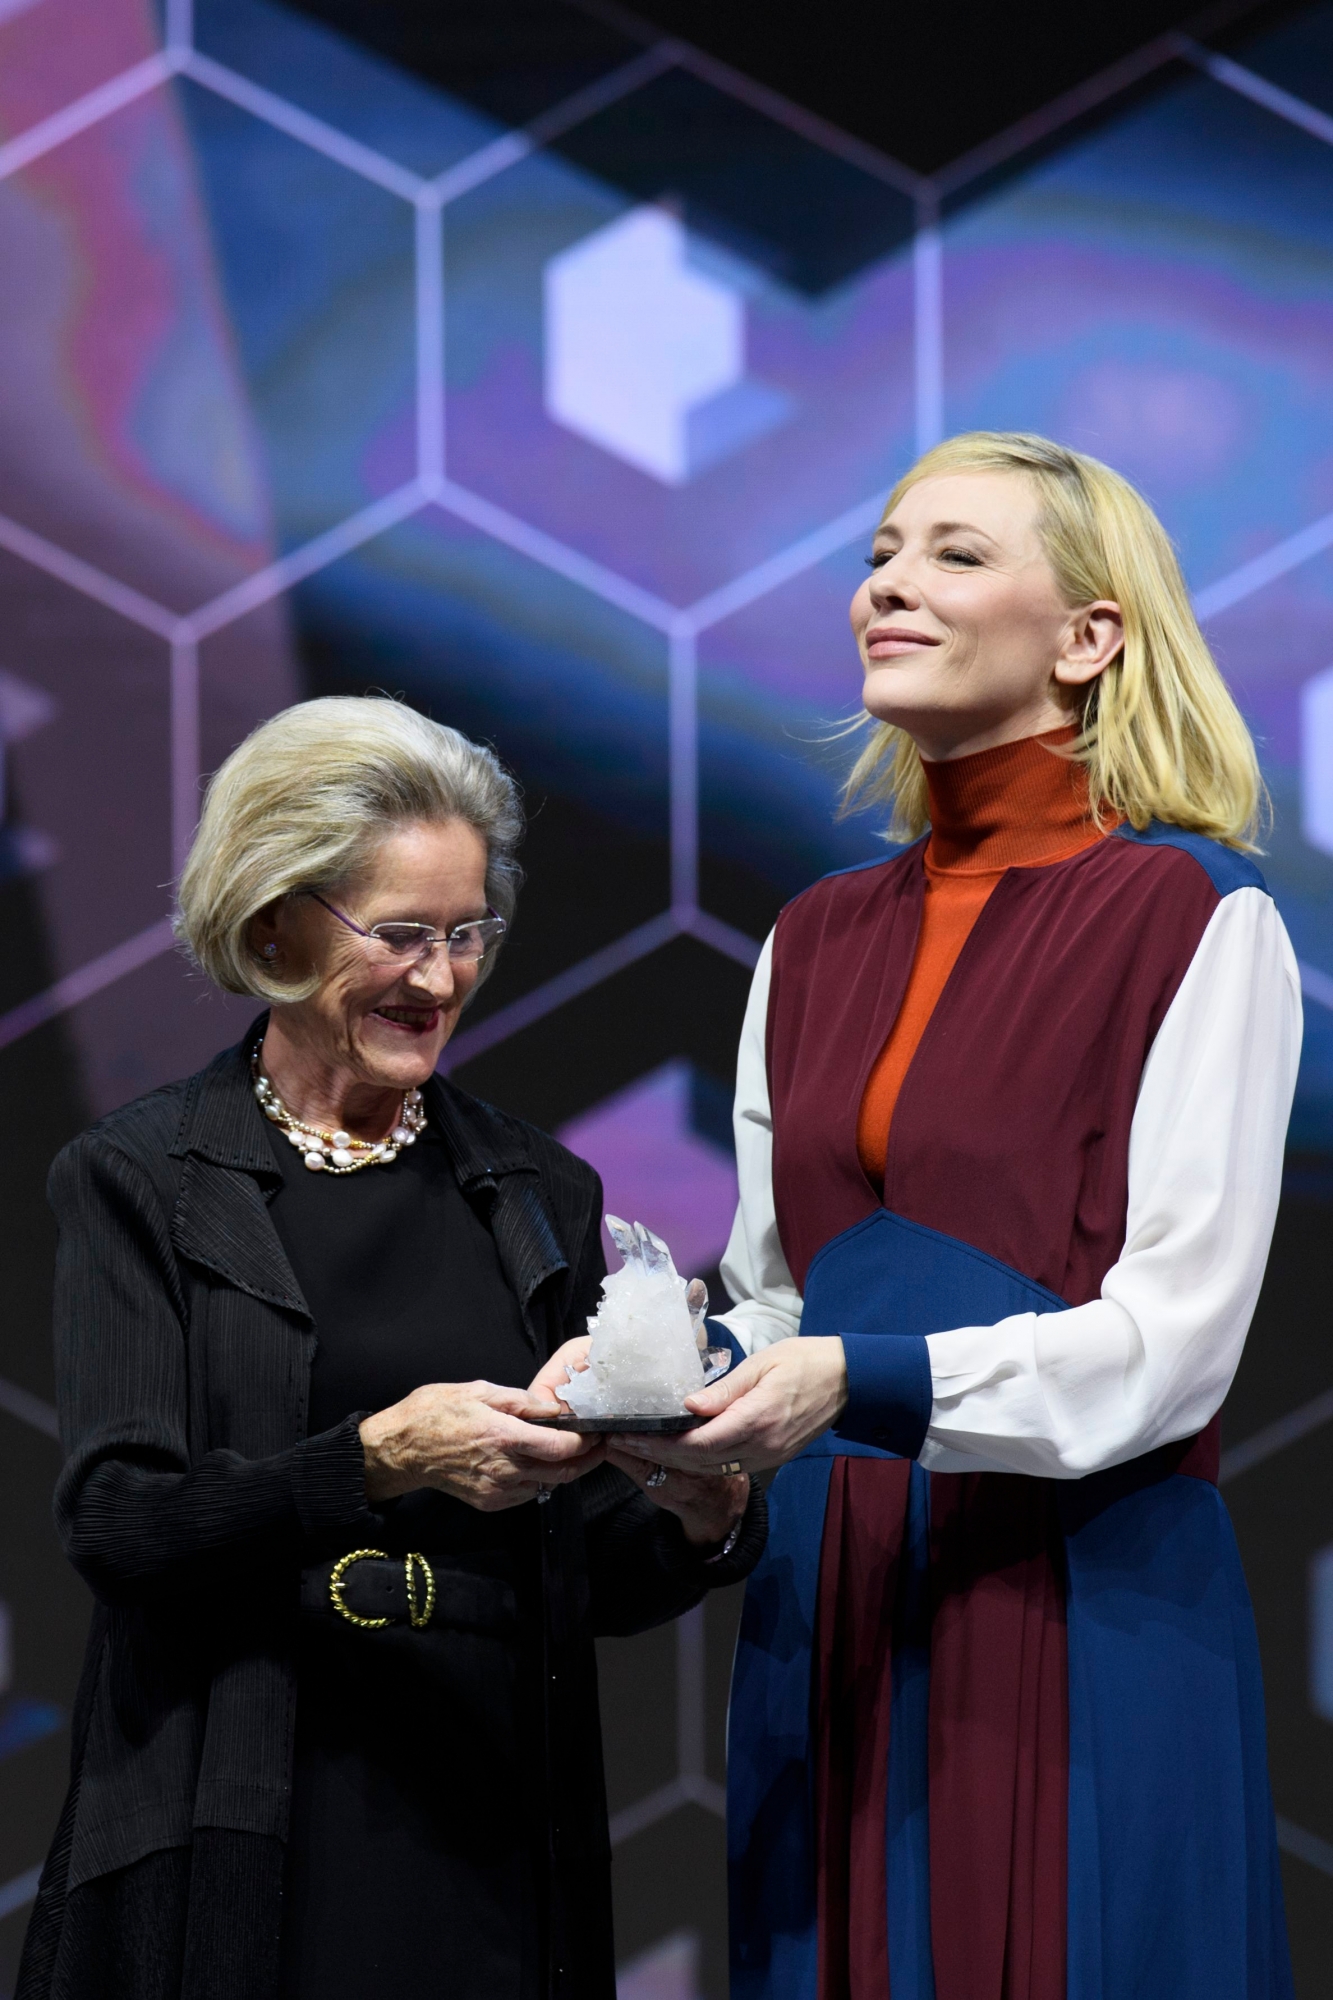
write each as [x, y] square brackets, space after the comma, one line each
[1016, 806]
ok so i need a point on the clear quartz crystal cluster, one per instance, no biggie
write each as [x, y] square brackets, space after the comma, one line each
[649, 1348]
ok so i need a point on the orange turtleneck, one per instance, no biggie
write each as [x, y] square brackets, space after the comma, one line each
[1014, 807]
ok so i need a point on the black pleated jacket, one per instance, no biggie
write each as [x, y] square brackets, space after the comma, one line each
[191, 1498]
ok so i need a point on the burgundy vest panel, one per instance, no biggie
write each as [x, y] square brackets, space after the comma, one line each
[1011, 1131]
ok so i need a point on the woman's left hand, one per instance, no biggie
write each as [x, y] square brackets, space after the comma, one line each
[707, 1504]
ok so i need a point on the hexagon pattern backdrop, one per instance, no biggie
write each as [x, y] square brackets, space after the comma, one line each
[564, 403]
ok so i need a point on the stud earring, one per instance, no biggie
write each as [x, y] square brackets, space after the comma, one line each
[270, 951]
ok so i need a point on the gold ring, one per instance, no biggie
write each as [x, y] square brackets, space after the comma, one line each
[731, 1467]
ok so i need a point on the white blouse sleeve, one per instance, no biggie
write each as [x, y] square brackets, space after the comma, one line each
[1067, 1393]
[1063, 1394]
[754, 1270]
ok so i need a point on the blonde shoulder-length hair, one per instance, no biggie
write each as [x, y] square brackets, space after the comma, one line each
[302, 804]
[1159, 733]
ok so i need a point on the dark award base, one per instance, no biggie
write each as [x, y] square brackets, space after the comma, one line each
[640, 1426]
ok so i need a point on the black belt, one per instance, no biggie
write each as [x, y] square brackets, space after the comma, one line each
[372, 1590]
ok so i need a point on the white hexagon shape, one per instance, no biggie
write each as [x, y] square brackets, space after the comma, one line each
[1317, 761]
[636, 339]
[1321, 1633]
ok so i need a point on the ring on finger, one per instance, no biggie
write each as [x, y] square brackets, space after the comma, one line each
[657, 1477]
[729, 1467]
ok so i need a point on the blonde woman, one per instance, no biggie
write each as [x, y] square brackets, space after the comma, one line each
[337, 1734]
[1010, 1114]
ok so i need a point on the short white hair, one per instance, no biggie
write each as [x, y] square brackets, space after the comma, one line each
[304, 802]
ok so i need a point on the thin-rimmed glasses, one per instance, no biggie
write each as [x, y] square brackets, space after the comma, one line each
[398, 944]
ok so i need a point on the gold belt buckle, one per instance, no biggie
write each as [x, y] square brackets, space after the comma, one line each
[418, 1614]
[340, 1569]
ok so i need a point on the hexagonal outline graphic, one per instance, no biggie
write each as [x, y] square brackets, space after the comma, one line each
[681, 625]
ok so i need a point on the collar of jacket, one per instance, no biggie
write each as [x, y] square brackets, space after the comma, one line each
[490, 1154]
[221, 1217]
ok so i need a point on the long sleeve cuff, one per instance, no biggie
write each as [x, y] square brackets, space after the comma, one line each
[715, 1569]
[890, 1393]
[329, 1480]
[641, 1568]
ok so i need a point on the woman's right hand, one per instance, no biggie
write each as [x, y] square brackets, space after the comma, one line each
[469, 1439]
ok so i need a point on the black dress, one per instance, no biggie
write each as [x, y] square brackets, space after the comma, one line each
[415, 1850]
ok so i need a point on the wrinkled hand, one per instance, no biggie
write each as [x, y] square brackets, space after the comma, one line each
[762, 1412]
[549, 1382]
[708, 1506]
[469, 1439]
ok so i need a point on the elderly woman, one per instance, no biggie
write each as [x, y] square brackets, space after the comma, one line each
[338, 1730]
[1011, 1109]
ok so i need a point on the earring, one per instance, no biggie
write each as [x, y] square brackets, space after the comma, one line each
[270, 951]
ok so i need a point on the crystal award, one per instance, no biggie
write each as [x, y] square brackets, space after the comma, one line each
[649, 1344]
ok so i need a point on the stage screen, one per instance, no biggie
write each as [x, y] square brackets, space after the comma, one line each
[318, 376]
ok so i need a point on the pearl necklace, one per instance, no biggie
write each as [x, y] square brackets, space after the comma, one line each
[338, 1152]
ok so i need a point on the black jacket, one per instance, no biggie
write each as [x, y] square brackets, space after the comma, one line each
[191, 1499]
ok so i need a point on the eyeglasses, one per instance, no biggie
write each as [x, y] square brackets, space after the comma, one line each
[396, 944]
